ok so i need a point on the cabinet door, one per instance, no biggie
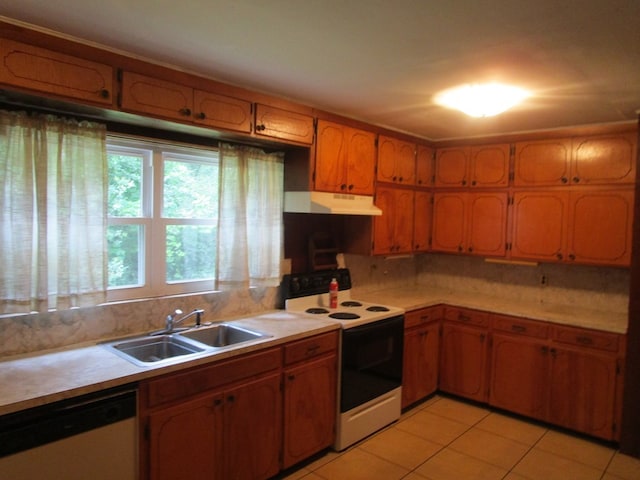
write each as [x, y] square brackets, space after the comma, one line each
[422, 215]
[404, 205]
[539, 225]
[331, 150]
[396, 161]
[252, 430]
[451, 167]
[220, 111]
[487, 224]
[384, 225]
[309, 408]
[283, 124]
[463, 361]
[489, 166]
[519, 375]
[582, 391]
[151, 96]
[420, 369]
[424, 166]
[360, 161]
[185, 441]
[47, 71]
[449, 222]
[604, 159]
[600, 230]
[546, 162]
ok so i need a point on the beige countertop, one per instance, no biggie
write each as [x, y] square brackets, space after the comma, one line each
[420, 297]
[32, 380]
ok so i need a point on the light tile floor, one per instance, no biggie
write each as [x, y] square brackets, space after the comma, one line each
[447, 439]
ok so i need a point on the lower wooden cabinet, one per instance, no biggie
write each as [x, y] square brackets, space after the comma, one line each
[421, 354]
[244, 418]
[464, 353]
[541, 372]
[310, 396]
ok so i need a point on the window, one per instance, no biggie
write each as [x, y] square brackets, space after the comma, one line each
[162, 219]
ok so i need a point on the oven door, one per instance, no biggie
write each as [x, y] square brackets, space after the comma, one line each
[371, 361]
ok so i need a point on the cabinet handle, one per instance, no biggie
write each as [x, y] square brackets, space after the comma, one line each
[473, 183]
[470, 249]
[201, 116]
[572, 256]
[291, 377]
[464, 182]
[518, 328]
[576, 179]
[343, 186]
[464, 318]
[312, 349]
[419, 182]
[559, 256]
[351, 187]
[261, 127]
[400, 179]
[425, 318]
[584, 340]
[460, 248]
[564, 179]
[231, 398]
[104, 93]
[185, 111]
[217, 402]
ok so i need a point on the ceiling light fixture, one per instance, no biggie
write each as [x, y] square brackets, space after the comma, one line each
[482, 100]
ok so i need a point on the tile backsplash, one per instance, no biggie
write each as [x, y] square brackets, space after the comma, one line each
[590, 287]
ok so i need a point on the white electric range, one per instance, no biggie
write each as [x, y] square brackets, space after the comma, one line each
[371, 347]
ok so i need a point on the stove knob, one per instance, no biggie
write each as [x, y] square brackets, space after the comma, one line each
[295, 285]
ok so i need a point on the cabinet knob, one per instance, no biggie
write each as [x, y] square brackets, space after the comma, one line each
[201, 116]
[260, 128]
[473, 183]
[351, 187]
[231, 398]
[464, 182]
[185, 111]
[395, 179]
[564, 179]
[559, 256]
[460, 248]
[104, 93]
[400, 179]
[572, 256]
[291, 377]
[576, 179]
[470, 249]
[343, 186]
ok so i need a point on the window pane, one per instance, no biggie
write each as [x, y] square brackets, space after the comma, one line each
[125, 185]
[188, 189]
[126, 264]
[190, 252]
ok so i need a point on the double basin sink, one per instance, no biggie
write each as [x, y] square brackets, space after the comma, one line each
[154, 348]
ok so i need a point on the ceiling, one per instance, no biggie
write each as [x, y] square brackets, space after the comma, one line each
[382, 61]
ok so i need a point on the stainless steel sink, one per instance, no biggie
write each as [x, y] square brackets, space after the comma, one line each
[222, 335]
[150, 350]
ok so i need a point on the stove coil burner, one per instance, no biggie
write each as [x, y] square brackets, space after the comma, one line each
[317, 310]
[344, 316]
[351, 303]
[377, 308]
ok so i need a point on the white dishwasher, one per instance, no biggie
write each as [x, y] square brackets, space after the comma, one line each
[93, 437]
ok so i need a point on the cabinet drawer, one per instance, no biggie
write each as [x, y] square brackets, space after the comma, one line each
[201, 379]
[422, 316]
[520, 326]
[467, 316]
[587, 338]
[310, 347]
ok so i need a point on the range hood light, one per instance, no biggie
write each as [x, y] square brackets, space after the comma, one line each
[482, 100]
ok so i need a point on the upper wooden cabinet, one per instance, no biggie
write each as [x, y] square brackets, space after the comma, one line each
[477, 166]
[424, 166]
[345, 159]
[474, 223]
[396, 161]
[161, 98]
[605, 159]
[422, 219]
[50, 72]
[283, 124]
[592, 226]
[393, 230]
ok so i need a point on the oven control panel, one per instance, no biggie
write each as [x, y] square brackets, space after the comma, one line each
[313, 283]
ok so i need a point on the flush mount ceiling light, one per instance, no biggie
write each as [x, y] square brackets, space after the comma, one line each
[482, 100]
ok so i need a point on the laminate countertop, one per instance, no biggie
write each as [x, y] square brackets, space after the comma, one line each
[44, 377]
[413, 298]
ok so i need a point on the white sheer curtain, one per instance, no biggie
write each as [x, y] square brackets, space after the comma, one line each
[53, 200]
[250, 222]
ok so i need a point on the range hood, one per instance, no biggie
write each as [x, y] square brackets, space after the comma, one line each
[333, 203]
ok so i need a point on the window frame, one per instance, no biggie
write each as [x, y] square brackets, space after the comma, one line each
[152, 220]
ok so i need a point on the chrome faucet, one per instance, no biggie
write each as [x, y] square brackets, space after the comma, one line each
[171, 321]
